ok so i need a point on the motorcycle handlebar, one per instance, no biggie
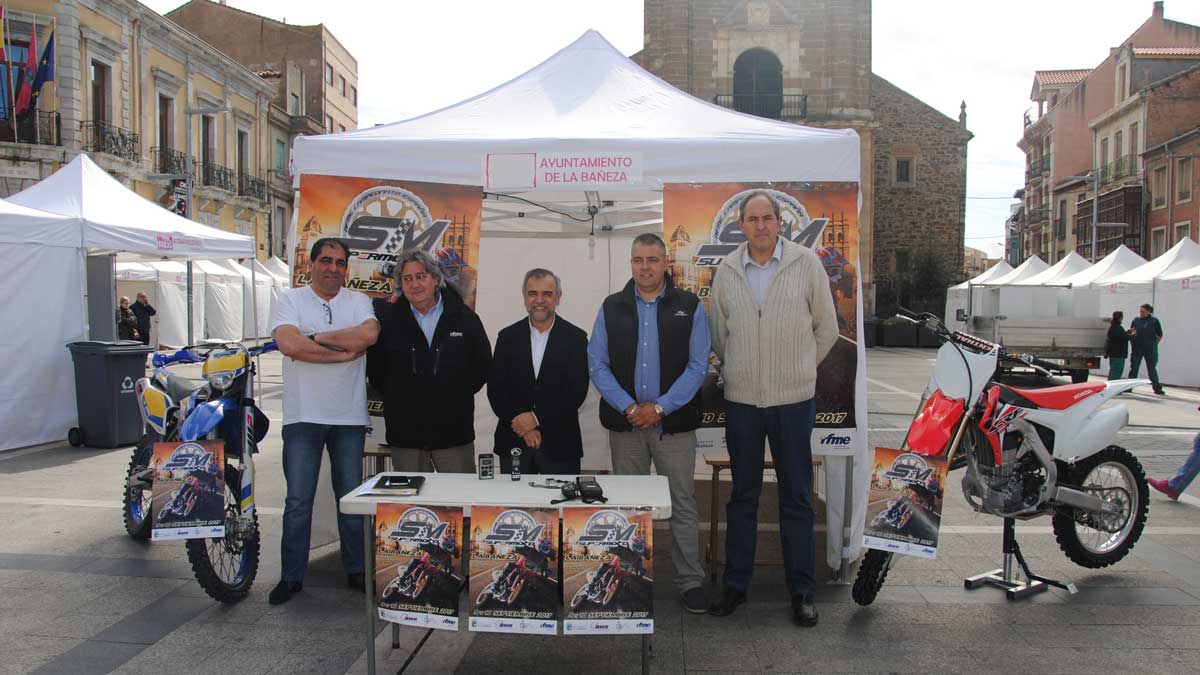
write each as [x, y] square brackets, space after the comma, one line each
[188, 355]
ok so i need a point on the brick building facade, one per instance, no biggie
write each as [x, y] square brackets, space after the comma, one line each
[809, 62]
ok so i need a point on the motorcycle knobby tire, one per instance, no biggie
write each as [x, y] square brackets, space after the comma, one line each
[1065, 526]
[202, 567]
[138, 528]
[871, 575]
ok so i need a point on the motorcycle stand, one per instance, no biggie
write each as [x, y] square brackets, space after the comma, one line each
[1006, 577]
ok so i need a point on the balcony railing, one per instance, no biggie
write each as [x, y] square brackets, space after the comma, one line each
[169, 160]
[251, 186]
[1046, 163]
[1038, 214]
[110, 140]
[217, 176]
[41, 128]
[773, 106]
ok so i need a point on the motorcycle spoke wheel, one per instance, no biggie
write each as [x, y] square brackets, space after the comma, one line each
[137, 502]
[226, 566]
[871, 575]
[1120, 474]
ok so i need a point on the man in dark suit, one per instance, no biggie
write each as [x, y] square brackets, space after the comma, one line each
[538, 380]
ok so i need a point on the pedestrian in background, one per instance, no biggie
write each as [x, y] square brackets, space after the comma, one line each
[1116, 346]
[1146, 332]
[126, 321]
[1183, 477]
[143, 310]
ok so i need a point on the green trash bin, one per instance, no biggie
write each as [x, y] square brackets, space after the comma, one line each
[105, 375]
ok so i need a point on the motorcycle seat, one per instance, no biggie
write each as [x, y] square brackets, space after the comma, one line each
[1060, 398]
[178, 388]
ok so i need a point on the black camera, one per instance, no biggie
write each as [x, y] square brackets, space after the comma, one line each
[583, 488]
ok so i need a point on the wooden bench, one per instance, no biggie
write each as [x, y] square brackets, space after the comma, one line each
[720, 462]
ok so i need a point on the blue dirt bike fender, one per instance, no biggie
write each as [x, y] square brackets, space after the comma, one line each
[203, 419]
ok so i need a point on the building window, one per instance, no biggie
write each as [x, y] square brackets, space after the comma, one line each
[207, 139]
[758, 84]
[1118, 145]
[328, 74]
[1121, 78]
[354, 95]
[281, 222]
[243, 149]
[166, 122]
[1158, 241]
[1159, 187]
[1060, 223]
[1104, 157]
[280, 155]
[1183, 180]
[1182, 231]
[1133, 148]
[295, 104]
[101, 80]
[903, 169]
[328, 124]
[341, 85]
[17, 54]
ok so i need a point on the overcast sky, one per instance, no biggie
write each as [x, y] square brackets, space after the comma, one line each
[417, 56]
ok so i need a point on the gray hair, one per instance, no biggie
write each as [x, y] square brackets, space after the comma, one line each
[540, 273]
[754, 194]
[427, 261]
[650, 239]
[124, 298]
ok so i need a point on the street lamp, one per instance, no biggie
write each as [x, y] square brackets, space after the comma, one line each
[190, 182]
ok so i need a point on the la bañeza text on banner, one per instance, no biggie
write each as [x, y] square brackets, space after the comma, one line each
[514, 570]
[418, 564]
[382, 219]
[700, 227]
[904, 509]
[189, 490]
[608, 570]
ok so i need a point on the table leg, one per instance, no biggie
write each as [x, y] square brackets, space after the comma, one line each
[645, 655]
[369, 561]
[714, 518]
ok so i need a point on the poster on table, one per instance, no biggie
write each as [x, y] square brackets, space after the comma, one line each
[608, 571]
[418, 564]
[514, 570]
[700, 227]
[188, 490]
[904, 506]
[382, 219]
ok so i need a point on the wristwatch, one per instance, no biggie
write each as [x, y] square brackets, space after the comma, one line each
[658, 409]
[313, 336]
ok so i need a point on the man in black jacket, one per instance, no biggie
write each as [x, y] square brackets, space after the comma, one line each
[143, 310]
[539, 379]
[431, 358]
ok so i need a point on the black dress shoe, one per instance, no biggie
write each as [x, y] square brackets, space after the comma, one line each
[804, 611]
[357, 582]
[284, 591]
[727, 602]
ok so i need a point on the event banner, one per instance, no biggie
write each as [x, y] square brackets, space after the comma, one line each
[189, 490]
[514, 570]
[700, 224]
[417, 564]
[608, 562]
[382, 219]
[904, 509]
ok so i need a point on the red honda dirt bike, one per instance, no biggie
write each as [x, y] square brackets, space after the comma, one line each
[1025, 454]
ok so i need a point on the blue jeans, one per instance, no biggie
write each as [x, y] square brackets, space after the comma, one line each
[302, 446]
[789, 429]
[1191, 466]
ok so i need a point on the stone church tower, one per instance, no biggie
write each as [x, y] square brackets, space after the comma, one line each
[809, 62]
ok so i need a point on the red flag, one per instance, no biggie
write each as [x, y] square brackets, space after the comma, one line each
[28, 72]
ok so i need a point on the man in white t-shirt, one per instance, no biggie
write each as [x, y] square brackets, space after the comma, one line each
[323, 330]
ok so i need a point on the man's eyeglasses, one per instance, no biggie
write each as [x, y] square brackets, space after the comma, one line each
[328, 313]
[409, 278]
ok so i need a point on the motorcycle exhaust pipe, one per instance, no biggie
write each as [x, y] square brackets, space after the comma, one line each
[1085, 501]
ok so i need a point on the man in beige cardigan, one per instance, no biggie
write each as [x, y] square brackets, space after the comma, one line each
[772, 321]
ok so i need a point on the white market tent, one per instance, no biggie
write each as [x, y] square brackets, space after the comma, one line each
[224, 301]
[165, 283]
[589, 98]
[1037, 295]
[993, 300]
[97, 215]
[256, 297]
[960, 296]
[278, 283]
[278, 267]
[1078, 298]
[1176, 300]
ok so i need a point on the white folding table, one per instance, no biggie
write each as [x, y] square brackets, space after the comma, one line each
[465, 490]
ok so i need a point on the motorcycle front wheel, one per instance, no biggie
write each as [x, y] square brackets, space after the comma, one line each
[871, 575]
[136, 503]
[226, 566]
[1118, 471]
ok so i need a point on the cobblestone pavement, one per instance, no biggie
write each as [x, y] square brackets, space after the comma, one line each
[76, 595]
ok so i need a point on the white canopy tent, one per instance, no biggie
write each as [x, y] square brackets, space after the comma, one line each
[989, 299]
[99, 215]
[224, 301]
[1176, 301]
[279, 268]
[165, 283]
[1076, 295]
[589, 98]
[1037, 295]
[960, 296]
[256, 297]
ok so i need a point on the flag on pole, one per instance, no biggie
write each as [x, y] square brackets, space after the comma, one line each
[3, 39]
[45, 70]
[25, 87]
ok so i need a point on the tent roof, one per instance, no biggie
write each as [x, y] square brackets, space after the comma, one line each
[217, 272]
[114, 218]
[134, 271]
[279, 267]
[587, 98]
[265, 272]
[1071, 264]
[1032, 266]
[1118, 262]
[1181, 256]
[995, 271]
[24, 225]
[1187, 273]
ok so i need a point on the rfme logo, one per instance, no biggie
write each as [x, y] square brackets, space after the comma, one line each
[834, 439]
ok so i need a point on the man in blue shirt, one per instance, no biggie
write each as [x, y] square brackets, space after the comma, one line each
[648, 357]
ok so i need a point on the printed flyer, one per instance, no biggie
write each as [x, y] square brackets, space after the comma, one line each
[418, 563]
[189, 490]
[514, 570]
[904, 509]
[608, 566]
[700, 227]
